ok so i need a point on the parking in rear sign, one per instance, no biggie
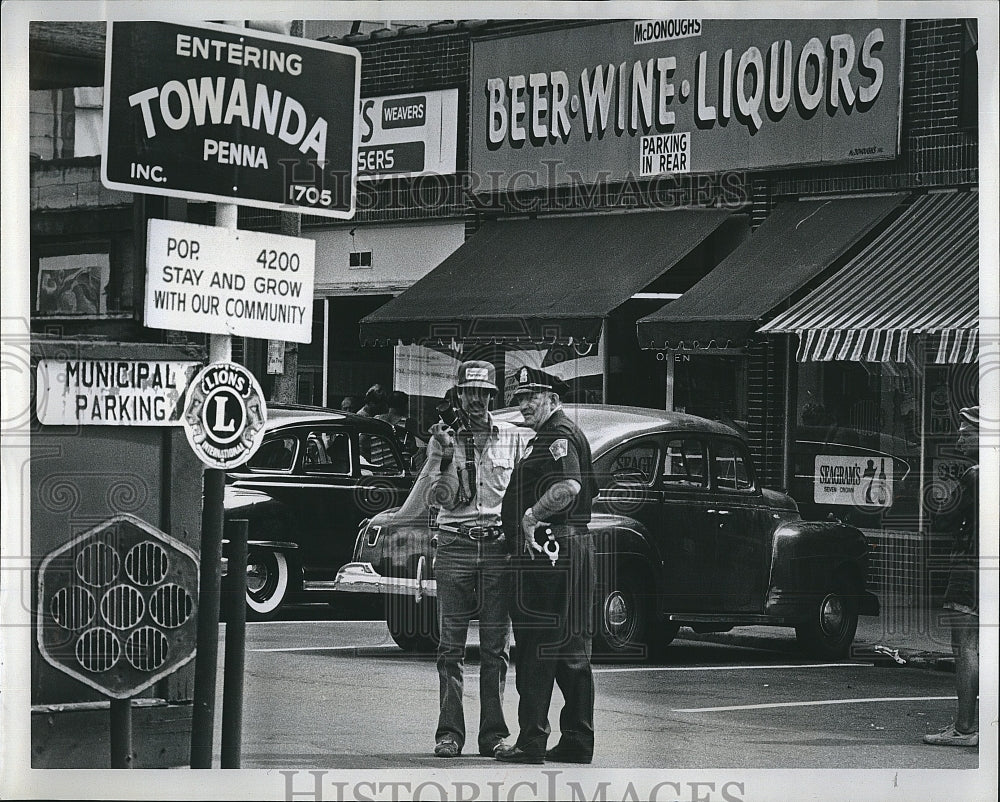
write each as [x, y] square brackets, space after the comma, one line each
[212, 113]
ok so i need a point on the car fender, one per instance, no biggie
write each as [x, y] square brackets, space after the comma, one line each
[808, 558]
[394, 547]
[620, 542]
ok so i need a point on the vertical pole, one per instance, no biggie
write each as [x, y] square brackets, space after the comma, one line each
[220, 349]
[236, 620]
[326, 350]
[786, 455]
[121, 733]
[668, 395]
[605, 360]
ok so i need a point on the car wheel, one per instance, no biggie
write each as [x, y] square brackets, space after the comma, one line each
[412, 625]
[267, 583]
[829, 631]
[622, 621]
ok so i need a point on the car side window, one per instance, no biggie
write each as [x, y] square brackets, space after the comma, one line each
[636, 463]
[377, 456]
[277, 454]
[729, 467]
[684, 463]
[327, 451]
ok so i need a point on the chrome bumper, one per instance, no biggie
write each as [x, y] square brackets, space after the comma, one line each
[363, 578]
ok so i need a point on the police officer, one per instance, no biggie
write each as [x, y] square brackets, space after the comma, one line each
[545, 514]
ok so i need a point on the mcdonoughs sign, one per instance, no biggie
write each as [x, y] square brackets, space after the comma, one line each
[652, 97]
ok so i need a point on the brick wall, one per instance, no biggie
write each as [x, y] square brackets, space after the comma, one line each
[70, 185]
[766, 408]
[932, 73]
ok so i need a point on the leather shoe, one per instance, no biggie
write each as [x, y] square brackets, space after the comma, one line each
[515, 754]
[490, 751]
[567, 754]
[446, 747]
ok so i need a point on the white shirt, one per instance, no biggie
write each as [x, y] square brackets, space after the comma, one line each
[505, 445]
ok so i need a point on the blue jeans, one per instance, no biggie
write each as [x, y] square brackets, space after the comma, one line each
[473, 580]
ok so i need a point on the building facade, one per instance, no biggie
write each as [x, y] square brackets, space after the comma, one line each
[769, 223]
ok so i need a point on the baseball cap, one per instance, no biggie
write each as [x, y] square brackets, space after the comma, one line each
[477, 373]
[970, 415]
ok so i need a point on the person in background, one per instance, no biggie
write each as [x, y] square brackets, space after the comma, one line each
[347, 404]
[471, 457]
[961, 597]
[375, 402]
[398, 416]
[545, 514]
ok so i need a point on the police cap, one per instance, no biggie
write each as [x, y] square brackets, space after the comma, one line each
[533, 380]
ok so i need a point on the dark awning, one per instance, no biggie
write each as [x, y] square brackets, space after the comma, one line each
[920, 276]
[544, 280]
[794, 245]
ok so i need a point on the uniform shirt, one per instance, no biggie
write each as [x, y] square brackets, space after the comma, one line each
[559, 451]
[495, 462]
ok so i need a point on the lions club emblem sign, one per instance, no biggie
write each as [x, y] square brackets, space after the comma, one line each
[225, 414]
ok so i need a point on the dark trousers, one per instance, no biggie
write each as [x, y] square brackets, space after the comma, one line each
[553, 621]
[473, 580]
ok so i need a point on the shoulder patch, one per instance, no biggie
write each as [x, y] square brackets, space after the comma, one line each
[559, 448]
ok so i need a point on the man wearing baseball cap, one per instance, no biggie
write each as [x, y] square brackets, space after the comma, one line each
[545, 514]
[471, 463]
[961, 597]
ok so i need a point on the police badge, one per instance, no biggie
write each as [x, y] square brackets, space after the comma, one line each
[559, 448]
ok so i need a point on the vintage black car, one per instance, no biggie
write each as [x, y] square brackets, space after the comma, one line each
[685, 536]
[315, 477]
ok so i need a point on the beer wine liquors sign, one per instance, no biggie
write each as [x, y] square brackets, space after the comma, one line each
[215, 113]
[638, 99]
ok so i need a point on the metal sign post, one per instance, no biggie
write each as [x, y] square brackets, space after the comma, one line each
[236, 623]
[220, 349]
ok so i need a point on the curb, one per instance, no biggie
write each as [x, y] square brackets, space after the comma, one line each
[863, 651]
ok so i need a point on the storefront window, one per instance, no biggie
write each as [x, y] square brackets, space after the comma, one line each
[712, 386]
[856, 452]
[580, 366]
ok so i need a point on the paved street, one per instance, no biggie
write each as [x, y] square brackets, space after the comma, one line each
[340, 694]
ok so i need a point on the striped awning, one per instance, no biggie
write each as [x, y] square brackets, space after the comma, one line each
[919, 279]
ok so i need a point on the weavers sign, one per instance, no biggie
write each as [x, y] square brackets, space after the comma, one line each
[229, 281]
[213, 113]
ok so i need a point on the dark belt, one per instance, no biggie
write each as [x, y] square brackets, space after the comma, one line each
[474, 532]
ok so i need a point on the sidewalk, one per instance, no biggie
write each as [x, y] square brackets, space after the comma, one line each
[904, 633]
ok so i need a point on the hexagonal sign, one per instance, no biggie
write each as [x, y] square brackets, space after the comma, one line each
[117, 606]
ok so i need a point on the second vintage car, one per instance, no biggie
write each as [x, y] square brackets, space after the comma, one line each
[685, 536]
[316, 476]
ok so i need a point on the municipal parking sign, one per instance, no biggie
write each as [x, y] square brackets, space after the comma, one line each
[215, 113]
[225, 415]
